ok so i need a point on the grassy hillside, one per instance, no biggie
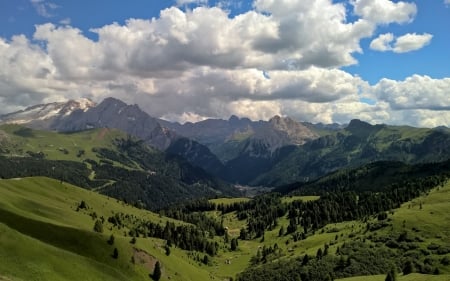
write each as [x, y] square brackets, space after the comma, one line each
[417, 232]
[45, 236]
[410, 277]
[108, 161]
[16, 140]
[360, 143]
[375, 176]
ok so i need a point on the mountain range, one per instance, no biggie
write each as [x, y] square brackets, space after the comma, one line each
[238, 150]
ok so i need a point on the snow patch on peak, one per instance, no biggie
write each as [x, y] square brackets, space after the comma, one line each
[44, 112]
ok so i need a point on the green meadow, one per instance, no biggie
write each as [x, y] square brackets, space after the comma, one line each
[46, 236]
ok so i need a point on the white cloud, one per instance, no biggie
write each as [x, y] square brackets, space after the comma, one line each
[382, 42]
[385, 11]
[406, 43]
[411, 42]
[44, 8]
[282, 58]
[185, 2]
[415, 92]
[65, 21]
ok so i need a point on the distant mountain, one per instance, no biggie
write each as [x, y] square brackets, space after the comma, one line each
[43, 116]
[238, 150]
[113, 113]
[82, 115]
[359, 143]
[221, 135]
[245, 145]
[108, 161]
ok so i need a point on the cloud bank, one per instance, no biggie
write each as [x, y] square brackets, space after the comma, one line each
[283, 57]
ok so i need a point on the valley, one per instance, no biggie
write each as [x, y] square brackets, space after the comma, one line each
[83, 196]
[45, 235]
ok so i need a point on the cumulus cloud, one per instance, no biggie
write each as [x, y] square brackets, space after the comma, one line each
[411, 42]
[282, 58]
[385, 11]
[382, 42]
[406, 43]
[415, 92]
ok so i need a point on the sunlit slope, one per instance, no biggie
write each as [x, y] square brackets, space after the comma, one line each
[44, 237]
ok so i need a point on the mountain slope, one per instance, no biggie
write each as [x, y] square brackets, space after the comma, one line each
[245, 145]
[81, 115]
[357, 144]
[45, 235]
[372, 177]
[43, 116]
[231, 138]
[113, 113]
[108, 161]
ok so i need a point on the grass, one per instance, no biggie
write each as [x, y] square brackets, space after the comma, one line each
[290, 199]
[44, 237]
[409, 277]
[25, 258]
[57, 146]
[229, 201]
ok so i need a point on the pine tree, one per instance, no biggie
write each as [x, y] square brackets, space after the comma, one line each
[111, 240]
[167, 248]
[389, 277]
[98, 226]
[392, 275]
[408, 268]
[205, 260]
[233, 245]
[115, 253]
[157, 271]
[281, 232]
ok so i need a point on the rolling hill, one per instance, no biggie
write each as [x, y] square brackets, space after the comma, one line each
[47, 232]
[107, 161]
[358, 144]
[45, 235]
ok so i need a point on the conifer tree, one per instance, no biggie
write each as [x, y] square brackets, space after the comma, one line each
[157, 271]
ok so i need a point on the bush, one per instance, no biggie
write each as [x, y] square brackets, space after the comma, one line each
[98, 226]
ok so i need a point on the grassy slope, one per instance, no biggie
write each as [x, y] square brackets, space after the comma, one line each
[229, 201]
[20, 139]
[43, 237]
[409, 277]
[363, 145]
[432, 220]
[33, 207]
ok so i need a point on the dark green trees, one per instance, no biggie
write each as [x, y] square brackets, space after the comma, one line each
[392, 275]
[98, 226]
[111, 239]
[115, 253]
[234, 244]
[157, 271]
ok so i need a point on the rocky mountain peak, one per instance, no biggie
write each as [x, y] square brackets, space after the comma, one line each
[43, 115]
[83, 104]
[296, 132]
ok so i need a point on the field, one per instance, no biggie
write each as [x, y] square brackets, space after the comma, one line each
[56, 146]
[409, 277]
[45, 236]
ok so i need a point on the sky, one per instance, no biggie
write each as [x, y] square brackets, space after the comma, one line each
[326, 61]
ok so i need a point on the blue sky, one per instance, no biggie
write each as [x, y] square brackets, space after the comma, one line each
[325, 61]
